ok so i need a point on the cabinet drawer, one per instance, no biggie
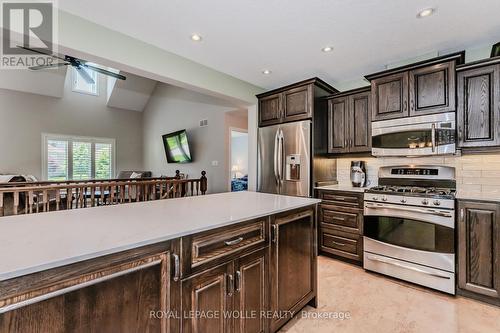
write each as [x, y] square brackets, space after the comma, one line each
[345, 199]
[214, 245]
[346, 219]
[342, 244]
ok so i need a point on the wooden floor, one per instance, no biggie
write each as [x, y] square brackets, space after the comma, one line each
[379, 304]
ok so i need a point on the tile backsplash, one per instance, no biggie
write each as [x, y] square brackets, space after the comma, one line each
[474, 173]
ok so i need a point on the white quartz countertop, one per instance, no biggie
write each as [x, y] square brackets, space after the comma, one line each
[342, 188]
[36, 242]
[469, 195]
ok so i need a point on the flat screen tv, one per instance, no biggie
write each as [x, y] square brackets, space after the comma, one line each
[177, 147]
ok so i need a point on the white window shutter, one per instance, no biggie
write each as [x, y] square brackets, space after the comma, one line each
[57, 160]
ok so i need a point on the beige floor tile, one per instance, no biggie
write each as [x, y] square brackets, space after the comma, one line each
[379, 304]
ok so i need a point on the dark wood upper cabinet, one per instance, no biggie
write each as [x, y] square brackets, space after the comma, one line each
[432, 89]
[360, 122]
[478, 116]
[293, 280]
[390, 97]
[479, 250]
[297, 103]
[349, 122]
[337, 125]
[417, 89]
[292, 103]
[270, 109]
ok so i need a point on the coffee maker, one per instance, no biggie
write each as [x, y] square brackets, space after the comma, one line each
[358, 173]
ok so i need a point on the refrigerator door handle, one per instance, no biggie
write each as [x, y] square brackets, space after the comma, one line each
[281, 152]
[275, 155]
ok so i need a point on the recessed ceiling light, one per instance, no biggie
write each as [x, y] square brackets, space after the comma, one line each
[196, 38]
[327, 49]
[426, 12]
[266, 72]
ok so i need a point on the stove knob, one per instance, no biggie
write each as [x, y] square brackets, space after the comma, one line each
[375, 198]
[425, 202]
[437, 202]
[403, 200]
[384, 198]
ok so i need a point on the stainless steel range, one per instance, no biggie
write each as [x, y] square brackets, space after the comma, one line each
[409, 225]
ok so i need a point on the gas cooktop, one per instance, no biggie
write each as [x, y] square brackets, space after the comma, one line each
[445, 193]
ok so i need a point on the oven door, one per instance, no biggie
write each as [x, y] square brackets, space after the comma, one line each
[418, 228]
[420, 137]
[412, 233]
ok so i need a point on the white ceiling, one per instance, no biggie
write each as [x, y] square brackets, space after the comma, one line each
[243, 37]
[130, 94]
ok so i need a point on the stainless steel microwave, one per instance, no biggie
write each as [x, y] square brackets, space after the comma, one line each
[415, 136]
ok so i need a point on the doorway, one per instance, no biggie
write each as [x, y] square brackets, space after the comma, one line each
[238, 159]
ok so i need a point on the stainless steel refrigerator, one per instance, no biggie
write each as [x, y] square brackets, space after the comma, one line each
[284, 159]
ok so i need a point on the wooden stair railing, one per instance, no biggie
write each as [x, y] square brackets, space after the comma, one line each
[53, 196]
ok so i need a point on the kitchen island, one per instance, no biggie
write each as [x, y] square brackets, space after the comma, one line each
[242, 262]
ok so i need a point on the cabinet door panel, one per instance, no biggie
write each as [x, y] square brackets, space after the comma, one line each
[293, 262]
[205, 294]
[114, 303]
[432, 89]
[478, 107]
[337, 125]
[297, 103]
[251, 292]
[270, 110]
[390, 97]
[479, 248]
[360, 122]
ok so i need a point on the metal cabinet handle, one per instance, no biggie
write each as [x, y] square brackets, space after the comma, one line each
[338, 244]
[234, 241]
[177, 267]
[230, 285]
[238, 281]
[462, 214]
[338, 218]
[275, 233]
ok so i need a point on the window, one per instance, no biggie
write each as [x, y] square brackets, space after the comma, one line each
[77, 158]
[82, 86]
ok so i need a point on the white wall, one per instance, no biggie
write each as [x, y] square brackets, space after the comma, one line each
[25, 116]
[170, 109]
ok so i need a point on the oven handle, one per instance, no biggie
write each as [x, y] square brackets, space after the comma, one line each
[408, 209]
[407, 267]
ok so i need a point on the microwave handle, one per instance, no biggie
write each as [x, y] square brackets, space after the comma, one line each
[433, 137]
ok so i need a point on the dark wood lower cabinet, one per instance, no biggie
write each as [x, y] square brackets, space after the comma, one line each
[167, 288]
[341, 224]
[251, 292]
[293, 265]
[206, 299]
[479, 250]
[117, 298]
